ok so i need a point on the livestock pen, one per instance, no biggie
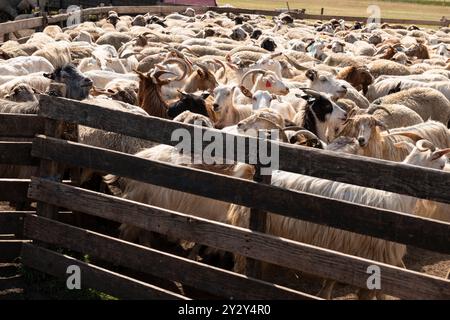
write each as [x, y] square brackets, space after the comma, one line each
[50, 238]
[47, 232]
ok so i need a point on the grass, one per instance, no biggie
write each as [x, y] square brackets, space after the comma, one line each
[425, 10]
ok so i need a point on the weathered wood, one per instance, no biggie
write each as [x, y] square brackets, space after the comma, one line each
[37, 22]
[11, 222]
[380, 223]
[258, 222]
[92, 276]
[10, 249]
[12, 26]
[362, 171]
[20, 125]
[17, 153]
[163, 265]
[50, 169]
[279, 251]
[14, 190]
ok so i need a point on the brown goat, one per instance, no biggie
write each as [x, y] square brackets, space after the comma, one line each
[420, 51]
[358, 76]
[149, 94]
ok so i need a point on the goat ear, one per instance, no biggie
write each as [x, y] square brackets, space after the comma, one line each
[404, 145]
[48, 75]
[440, 153]
[245, 92]
[201, 73]
[381, 125]
[311, 74]
[205, 95]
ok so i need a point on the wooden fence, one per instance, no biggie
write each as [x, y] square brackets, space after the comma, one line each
[53, 195]
[41, 22]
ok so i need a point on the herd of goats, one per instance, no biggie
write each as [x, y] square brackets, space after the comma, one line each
[380, 91]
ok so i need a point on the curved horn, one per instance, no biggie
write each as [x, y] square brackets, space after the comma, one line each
[295, 64]
[308, 134]
[297, 128]
[261, 71]
[413, 136]
[183, 64]
[440, 153]
[275, 54]
[371, 110]
[424, 145]
[159, 73]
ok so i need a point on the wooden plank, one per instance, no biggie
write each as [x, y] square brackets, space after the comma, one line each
[14, 190]
[50, 169]
[160, 264]
[258, 223]
[92, 276]
[380, 223]
[279, 251]
[347, 168]
[11, 222]
[20, 125]
[17, 153]
[10, 249]
[12, 26]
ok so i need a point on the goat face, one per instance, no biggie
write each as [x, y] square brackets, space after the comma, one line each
[189, 102]
[223, 97]
[273, 84]
[77, 85]
[325, 82]
[325, 118]
[238, 34]
[365, 126]
[443, 51]
[425, 154]
[256, 34]
[268, 44]
[337, 46]
[21, 92]
[261, 99]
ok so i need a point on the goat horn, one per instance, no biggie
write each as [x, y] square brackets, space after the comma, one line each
[275, 54]
[308, 134]
[251, 72]
[424, 145]
[413, 136]
[295, 64]
[440, 153]
[159, 73]
[372, 110]
[183, 64]
[293, 128]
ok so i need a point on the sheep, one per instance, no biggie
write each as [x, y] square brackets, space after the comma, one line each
[386, 67]
[58, 54]
[328, 237]
[230, 113]
[21, 92]
[384, 87]
[116, 39]
[25, 65]
[172, 199]
[426, 102]
[433, 131]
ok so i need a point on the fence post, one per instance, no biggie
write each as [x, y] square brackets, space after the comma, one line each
[258, 219]
[50, 169]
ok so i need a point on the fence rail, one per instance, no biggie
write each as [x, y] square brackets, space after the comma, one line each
[53, 194]
[40, 22]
